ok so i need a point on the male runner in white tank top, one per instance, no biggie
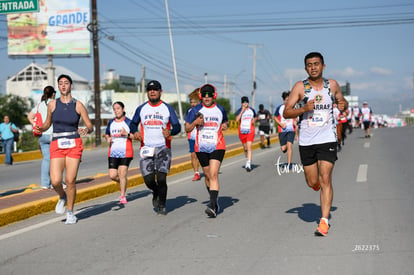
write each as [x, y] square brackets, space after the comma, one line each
[317, 130]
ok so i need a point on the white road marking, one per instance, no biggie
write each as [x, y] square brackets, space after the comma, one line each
[362, 173]
[30, 228]
[367, 144]
[50, 221]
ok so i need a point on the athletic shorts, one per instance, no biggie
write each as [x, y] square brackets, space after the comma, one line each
[284, 137]
[204, 158]
[264, 130]
[357, 118]
[114, 163]
[246, 137]
[160, 162]
[75, 152]
[191, 143]
[367, 124]
[312, 153]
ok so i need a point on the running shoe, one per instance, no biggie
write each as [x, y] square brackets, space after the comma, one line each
[196, 176]
[248, 167]
[60, 206]
[322, 229]
[162, 211]
[155, 201]
[71, 218]
[122, 200]
[317, 187]
[210, 212]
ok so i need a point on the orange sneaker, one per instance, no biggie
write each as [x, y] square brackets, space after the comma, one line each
[322, 229]
[196, 176]
[317, 187]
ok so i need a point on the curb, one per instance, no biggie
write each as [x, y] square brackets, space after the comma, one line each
[33, 208]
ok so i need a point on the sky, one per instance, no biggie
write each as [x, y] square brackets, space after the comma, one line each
[368, 44]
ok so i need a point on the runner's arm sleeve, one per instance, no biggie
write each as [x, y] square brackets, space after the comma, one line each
[136, 120]
[175, 123]
[108, 128]
[225, 119]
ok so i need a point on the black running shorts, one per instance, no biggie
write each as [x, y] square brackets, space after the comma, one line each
[204, 158]
[312, 153]
[114, 163]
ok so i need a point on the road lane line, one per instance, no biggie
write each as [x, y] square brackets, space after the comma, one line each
[362, 173]
[30, 228]
[53, 220]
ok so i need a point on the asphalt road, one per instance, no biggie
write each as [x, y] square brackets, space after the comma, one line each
[94, 161]
[266, 225]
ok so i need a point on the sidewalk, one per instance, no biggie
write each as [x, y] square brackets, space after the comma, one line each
[28, 203]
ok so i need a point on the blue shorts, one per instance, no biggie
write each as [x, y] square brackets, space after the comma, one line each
[191, 143]
[285, 137]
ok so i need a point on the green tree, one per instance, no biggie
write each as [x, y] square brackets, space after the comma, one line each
[115, 85]
[16, 108]
[184, 105]
[112, 86]
[225, 103]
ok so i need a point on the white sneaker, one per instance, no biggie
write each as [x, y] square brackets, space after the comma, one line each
[71, 218]
[60, 206]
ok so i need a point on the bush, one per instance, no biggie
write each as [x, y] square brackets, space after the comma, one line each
[28, 142]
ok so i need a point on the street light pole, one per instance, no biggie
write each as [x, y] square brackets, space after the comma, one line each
[174, 65]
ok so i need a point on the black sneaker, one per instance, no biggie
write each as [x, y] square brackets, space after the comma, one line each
[210, 212]
[155, 201]
[217, 209]
[162, 211]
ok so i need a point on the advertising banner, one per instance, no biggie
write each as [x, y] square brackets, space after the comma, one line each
[59, 28]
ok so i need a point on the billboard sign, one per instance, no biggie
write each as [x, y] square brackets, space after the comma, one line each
[58, 28]
[13, 6]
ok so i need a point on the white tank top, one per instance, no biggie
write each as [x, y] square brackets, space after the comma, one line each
[317, 126]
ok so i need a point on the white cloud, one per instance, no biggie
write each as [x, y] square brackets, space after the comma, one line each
[294, 75]
[380, 71]
[348, 73]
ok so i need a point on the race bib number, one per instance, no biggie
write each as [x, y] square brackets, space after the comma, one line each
[66, 143]
[262, 116]
[208, 137]
[245, 126]
[318, 119]
[146, 152]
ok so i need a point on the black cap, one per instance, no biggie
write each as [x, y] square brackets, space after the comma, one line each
[207, 89]
[261, 106]
[65, 76]
[244, 99]
[154, 85]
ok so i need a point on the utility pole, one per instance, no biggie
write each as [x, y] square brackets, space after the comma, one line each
[97, 81]
[254, 86]
[174, 65]
[140, 101]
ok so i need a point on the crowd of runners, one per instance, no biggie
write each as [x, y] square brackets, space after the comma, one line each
[314, 113]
